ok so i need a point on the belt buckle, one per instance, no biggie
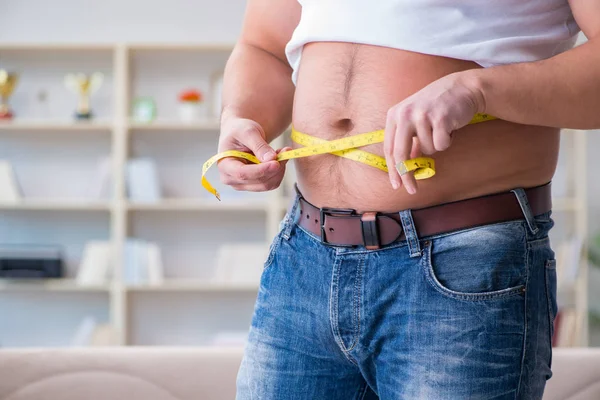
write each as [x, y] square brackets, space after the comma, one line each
[323, 212]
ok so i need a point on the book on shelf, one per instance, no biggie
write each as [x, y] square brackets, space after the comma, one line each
[96, 262]
[100, 187]
[154, 264]
[10, 192]
[568, 261]
[104, 335]
[143, 184]
[83, 333]
[142, 263]
[90, 333]
[240, 263]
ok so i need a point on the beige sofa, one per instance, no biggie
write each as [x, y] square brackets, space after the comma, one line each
[197, 373]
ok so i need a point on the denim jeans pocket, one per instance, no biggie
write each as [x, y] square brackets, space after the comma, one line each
[483, 263]
[283, 225]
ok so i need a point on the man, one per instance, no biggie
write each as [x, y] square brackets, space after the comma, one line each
[441, 290]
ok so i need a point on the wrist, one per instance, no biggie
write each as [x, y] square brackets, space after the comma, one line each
[474, 81]
[228, 113]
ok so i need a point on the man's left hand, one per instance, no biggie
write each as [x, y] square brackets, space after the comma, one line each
[430, 115]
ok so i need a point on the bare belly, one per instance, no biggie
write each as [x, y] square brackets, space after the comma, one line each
[345, 89]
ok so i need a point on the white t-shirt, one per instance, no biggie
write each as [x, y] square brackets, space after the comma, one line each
[488, 32]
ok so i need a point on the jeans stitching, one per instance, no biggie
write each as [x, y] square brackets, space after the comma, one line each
[524, 330]
[410, 233]
[550, 266]
[364, 390]
[333, 309]
[272, 251]
[356, 304]
[534, 244]
[430, 276]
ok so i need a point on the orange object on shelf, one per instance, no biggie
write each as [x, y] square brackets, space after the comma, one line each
[191, 95]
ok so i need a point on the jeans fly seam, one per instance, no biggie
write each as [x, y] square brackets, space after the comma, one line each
[333, 309]
[356, 303]
[524, 329]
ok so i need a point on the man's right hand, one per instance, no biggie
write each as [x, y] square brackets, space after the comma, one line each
[248, 136]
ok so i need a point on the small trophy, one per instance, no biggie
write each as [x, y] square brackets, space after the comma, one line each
[84, 85]
[8, 82]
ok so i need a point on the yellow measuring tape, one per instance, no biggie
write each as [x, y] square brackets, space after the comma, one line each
[347, 147]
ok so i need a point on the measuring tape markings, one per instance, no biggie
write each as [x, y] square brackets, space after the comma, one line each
[423, 167]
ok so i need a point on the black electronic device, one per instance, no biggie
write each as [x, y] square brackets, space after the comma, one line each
[30, 262]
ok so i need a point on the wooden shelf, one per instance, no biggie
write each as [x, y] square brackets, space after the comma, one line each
[209, 124]
[79, 47]
[58, 204]
[49, 285]
[41, 125]
[191, 286]
[193, 47]
[200, 205]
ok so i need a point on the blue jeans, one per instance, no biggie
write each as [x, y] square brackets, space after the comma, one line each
[460, 315]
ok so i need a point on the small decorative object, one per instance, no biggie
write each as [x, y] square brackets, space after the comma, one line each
[8, 81]
[191, 105]
[84, 86]
[144, 109]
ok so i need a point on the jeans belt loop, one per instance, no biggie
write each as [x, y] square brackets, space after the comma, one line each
[521, 196]
[408, 226]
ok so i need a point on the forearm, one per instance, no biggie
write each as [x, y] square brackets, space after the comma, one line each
[562, 92]
[257, 85]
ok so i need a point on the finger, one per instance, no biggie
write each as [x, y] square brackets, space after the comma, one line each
[239, 173]
[416, 148]
[271, 184]
[425, 134]
[227, 167]
[258, 145]
[442, 137]
[402, 147]
[388, 151]
[283, 150]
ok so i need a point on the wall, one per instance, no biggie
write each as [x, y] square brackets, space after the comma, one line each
[175, 20]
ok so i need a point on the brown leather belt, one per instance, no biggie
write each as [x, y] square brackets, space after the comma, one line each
[345, 227]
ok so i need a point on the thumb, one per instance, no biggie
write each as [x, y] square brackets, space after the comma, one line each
[256, 142]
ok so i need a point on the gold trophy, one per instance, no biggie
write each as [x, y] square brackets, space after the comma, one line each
[84, 86]
[8, 82]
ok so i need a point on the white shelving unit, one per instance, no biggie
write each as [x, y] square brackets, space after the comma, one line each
[187, 224]
[54, 159]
